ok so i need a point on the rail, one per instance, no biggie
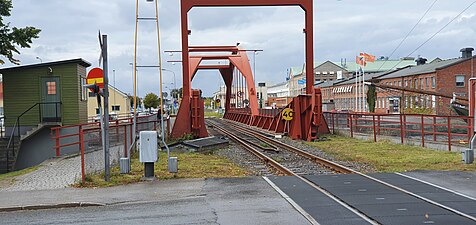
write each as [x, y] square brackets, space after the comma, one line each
[365, 176]
[85, 139]
[11, 148]
[423, 129]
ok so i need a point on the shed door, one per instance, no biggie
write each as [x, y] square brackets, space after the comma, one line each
[50, 99]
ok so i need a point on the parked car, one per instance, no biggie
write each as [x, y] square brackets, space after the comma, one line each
[112, 116]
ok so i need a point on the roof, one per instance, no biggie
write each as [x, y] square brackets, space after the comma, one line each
[295, 71]
[121, 92]
[278, 84]
[79, 61]
[423, 69]
[379, 65]
[329, 83]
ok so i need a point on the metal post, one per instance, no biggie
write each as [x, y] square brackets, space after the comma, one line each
[106, 110]
[374, 128]
[449, 133]
[57, 141]
[81, 148]
[333, 128]
[401, 128]
[351, 125]
[434, 128]
[422, 131]
[134, 121]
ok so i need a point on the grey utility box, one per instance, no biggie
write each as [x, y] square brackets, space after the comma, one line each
[468, 156]
[173, 165]
[125, 165]
[148, 146]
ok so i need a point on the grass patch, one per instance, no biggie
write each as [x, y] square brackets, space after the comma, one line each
[17, 173]
[191, 165]
[389, 157]
[212, 114]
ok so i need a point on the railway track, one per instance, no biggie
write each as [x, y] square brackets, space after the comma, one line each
[230, 128]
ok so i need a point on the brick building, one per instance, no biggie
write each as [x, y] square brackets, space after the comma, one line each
[441, 76]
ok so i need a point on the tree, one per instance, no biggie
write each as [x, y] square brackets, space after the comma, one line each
[176, 93]
[11, 38]
[371, 98]
[131, 100]
[151, 100]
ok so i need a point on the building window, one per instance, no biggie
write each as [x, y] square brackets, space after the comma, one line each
[459, 80]
[51, 87]
[92, 94]
[97, 111]
[84, 91]
[116, 108]
[433, 82]
[399, 83]
[426, 82]
[406, 83]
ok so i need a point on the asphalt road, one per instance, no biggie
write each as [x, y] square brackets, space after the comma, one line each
[216, 201]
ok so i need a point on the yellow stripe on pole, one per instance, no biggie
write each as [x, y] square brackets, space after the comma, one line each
[95, 81]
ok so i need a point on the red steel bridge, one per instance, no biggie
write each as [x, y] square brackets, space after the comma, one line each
[308, 120]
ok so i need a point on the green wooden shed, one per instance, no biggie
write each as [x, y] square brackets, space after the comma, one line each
[45, 93]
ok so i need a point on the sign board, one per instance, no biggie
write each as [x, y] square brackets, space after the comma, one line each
[287, 114]
[96, 76]
[303, 81]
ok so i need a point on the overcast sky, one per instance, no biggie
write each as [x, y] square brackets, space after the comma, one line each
[342, 29]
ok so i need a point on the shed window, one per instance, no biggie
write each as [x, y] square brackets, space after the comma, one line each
[459, 80]
[84, 91]
[51, 86]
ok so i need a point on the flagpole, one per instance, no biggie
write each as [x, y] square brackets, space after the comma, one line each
[363, 86]
[356, 90]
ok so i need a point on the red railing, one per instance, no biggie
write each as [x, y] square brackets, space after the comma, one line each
[426, 129]
[74, 139]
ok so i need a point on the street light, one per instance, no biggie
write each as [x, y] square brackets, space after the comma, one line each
[175, 87]
[41, 61]
[164, 69]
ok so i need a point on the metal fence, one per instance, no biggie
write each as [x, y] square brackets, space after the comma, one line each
[425, 130]
[86, 141]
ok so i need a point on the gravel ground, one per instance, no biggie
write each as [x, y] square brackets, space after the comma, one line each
[292, 161]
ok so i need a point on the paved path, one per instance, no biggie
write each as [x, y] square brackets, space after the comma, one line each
[52, 174]
[249, 200]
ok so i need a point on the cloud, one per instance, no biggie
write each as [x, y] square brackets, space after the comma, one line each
[342, 29]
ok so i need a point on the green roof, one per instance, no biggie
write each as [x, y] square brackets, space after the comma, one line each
[295, 71]
[380, 65]
[375, 67]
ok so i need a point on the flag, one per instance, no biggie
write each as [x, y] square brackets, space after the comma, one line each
[368, 57]
[360, 60]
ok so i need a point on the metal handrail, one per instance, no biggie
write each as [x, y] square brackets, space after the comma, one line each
[17, 126]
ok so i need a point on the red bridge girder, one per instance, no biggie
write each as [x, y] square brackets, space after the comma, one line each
[190, 64]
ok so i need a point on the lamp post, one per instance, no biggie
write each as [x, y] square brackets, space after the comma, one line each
[114, 83]
[41, 61]
[175, 87]
[175, 84]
